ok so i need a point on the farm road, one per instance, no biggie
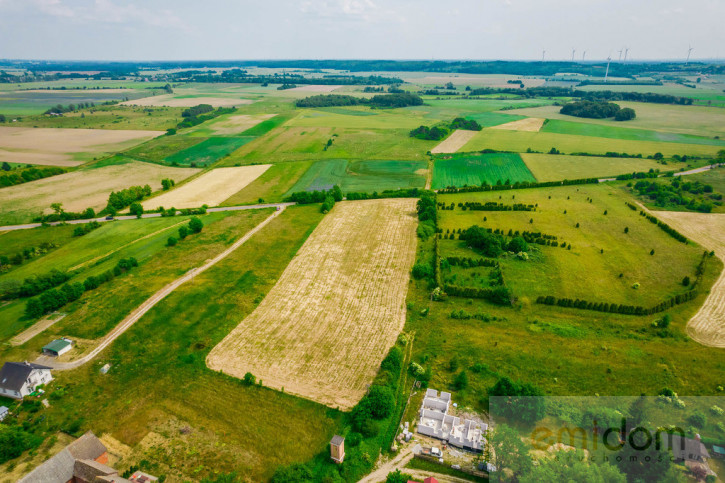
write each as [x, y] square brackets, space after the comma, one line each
[681, 173]
[146, 215]
[134, 316]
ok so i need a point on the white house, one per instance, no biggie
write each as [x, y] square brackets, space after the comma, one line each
[18, 379]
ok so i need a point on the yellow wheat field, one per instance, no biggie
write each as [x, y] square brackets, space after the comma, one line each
[325, 327]
[454, 142]
[707, 326]
[211, 188]
[530, 124]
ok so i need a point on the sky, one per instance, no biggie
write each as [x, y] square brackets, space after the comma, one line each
[359, 29]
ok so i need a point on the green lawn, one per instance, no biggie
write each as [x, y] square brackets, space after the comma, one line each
[208, 151]
[362, 175]
[555, 167]
[170, 385]
[475, 169]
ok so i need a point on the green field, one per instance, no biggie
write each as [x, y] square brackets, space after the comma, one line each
[12, 242]
[622, 131]
[207, 152]
[475, 169]
[163, 147]
[362, 176]
[555, 167]
[110, 117]
[521, 141]
[33, 101]
[272, 185]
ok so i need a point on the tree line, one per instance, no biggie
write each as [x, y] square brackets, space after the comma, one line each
[493, 206]
[534, 92]
[194, 116]
[384, 101]
[441, 130]
[24, 175]
[517, 185]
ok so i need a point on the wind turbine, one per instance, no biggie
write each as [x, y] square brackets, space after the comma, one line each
[573, 51]
[543, 54]
[606, 74]
[584, 54]
[620, 55]
[626, 51]
[689, 51]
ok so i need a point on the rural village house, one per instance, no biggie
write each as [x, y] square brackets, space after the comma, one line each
[85, 460]
[18, 379]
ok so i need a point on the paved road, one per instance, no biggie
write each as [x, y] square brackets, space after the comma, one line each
[139, 312]
[145, 215]
[679, 173]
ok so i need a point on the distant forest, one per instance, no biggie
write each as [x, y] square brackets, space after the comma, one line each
[384, 101]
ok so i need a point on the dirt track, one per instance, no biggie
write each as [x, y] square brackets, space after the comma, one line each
[707, 326]
[139, 312]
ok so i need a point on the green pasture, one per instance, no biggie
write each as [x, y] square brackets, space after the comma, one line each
[521, 141]
[162, 147]
[471, 169]
[362, 175]
[555, 167]
[175, 337]
[208, 151]
[12, 242]
[109, 117]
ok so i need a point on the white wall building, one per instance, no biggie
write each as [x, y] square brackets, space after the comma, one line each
[18, 379]
[437, 423]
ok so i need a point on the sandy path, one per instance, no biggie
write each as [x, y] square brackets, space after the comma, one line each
[454, 142]
[211, 188]
[530, 124]
[36, 329]
[141, 310]
[336, 310]
[707, 326]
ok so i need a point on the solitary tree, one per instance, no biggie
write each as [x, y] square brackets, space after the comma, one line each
[195, 225]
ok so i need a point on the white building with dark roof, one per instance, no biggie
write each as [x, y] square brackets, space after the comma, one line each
[18, 379]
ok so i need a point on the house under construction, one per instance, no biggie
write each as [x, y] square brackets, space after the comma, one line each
[437, 423]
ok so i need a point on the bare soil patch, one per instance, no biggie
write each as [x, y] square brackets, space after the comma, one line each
[168, 100]
[454, 142]
[707, 326]
[530, 124]
[211, 188]
[326, 325]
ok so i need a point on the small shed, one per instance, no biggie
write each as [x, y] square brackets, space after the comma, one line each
[3, 412]
[717, 451]
[337, 448]
[58, 347]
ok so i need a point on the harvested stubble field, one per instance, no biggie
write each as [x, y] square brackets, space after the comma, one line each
[57, 146]
[530, 124]
[211, 188]
[323, 330]
[78, 190]
[556, 167]
[454, 142]
[708, 325]
[170, 100]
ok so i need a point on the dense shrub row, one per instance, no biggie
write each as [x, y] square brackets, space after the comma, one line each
[318, 196]
[401, 193]
[203, 112]
[119, 200]
[518, 185]
[34, 285]
[86, 228]
[27, 253]
[493, 206]
[499, 295]
[53, 299]
[468, 262]
[439, 131]
[20, 176]
[384, 101]
[427, 215]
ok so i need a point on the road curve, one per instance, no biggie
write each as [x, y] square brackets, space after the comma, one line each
[139, 312]
[146, 215]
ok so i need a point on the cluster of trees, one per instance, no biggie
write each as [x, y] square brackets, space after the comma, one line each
[167, 184]
[20, 176]
[384, 101]
[60, 109]
[194, 226]
[464, 315]
[27, 253]
[468, 125]
[34, 285]
[597, 110]
[534, 92]
[286, 86]
[517, 185]
[53, 299]
[86, 228]
[183, 212]
[59, 214]
[427, 215]
[517, 400]
[194, 116]
[328, 198]
[677, 192]
[493, 206]
[401, 193]
[119, 200]
[14, 441]
[439, 131]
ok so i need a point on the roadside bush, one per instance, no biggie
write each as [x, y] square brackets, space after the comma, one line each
[249, 379]
[195, 225]
[461, 381]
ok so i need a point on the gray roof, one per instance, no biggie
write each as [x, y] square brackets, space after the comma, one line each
[687, 449]
[337, 440]
[60, 468]
[14, 374]
[88, 470]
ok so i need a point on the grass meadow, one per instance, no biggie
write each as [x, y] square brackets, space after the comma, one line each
[555, 167]
[362, 175]
[208, 151]
[272, 185]
[471, 169]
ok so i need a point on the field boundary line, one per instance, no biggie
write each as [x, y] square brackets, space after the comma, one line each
[147, 305]
[99, 257]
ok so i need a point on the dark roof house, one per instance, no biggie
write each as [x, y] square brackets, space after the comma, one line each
[18, 379]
